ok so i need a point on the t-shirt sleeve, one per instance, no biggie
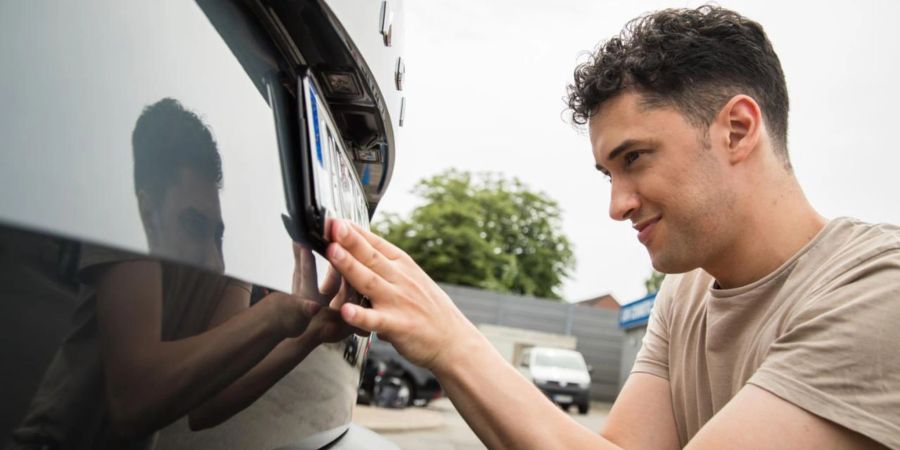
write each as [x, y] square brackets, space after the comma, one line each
[653, 357]
[92, 257]
[839, 359]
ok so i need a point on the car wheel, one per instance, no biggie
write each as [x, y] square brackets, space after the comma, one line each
[583, 408]
[392, 392]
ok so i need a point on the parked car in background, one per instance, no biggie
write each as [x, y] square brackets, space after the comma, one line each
[390, 381]
[560, 374]
[154, 202]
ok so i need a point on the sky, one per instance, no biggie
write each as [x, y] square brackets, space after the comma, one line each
[485, 83]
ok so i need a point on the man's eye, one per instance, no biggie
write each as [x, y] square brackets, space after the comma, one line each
[631, 157]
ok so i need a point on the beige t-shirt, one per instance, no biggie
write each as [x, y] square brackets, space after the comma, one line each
[822, 332]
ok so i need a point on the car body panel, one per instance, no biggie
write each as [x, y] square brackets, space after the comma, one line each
[76, 81]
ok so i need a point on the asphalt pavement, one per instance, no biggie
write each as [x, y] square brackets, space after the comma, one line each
[440, 427]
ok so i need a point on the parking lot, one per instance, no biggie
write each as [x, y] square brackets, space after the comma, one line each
[438, 426]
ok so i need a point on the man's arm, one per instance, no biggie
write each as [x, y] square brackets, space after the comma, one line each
[150, 383]
[245, 390]
[756, 418]
[326, 326]
[642, 416]
[409, 310]
[505, 410]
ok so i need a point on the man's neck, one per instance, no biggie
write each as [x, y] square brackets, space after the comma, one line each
[773, 227]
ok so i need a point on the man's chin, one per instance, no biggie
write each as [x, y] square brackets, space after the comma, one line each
[668, 264]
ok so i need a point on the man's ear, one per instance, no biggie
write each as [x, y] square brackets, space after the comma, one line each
[741, 119]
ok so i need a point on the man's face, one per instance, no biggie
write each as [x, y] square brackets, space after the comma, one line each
[665, 179]
[187, 222]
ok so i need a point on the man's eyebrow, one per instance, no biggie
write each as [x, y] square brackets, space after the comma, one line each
[625, 145]
[616, 152]
[628, 143]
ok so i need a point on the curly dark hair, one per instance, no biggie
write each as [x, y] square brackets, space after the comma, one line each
[692, 59]
[166, 138]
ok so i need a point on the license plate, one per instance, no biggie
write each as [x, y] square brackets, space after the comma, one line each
[563, 398]
[337, 188]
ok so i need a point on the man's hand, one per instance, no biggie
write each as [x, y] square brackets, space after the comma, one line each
[408, 308]
[327, 324]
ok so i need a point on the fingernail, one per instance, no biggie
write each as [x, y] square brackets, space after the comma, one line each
[337, 253]
[349, 312]
[340, 229]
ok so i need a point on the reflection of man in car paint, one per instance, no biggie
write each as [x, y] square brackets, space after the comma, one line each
[776, 328]
[154, 340]
[177, 176]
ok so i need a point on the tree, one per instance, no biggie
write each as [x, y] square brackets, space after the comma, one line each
[485, 231]
[653, 282]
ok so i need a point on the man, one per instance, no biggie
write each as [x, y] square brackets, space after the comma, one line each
[153, 340]
[779, 329]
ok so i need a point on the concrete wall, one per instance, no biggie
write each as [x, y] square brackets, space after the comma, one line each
[596, 331]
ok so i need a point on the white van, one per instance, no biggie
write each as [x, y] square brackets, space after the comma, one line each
[560, 374]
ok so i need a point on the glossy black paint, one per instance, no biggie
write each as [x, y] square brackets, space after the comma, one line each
[140, 154]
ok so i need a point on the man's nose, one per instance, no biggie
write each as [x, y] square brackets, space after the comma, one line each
[624, 201]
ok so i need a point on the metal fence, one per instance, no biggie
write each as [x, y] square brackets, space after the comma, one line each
[599, 338]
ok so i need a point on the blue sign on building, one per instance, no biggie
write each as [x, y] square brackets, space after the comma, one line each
[636, 313]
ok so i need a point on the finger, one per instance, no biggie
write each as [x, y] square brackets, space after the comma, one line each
[346, 295]
[379, 243]
[308, 308]
[362, 278]
[333, 324]
[332, 282]
[305, 275]
[341, 297]
[300, 315]
[360, 249]
[364, 319]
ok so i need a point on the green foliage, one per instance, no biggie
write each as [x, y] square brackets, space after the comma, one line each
[484, 231]
[653, 282]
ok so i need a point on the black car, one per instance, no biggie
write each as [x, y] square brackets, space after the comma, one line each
[389, 380]
[166, 171]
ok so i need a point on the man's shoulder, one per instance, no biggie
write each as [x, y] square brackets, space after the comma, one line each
[684, 290]
[855, 270]
[854, 249]
[854, 236]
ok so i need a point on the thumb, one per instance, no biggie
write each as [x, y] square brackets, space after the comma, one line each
[363, 318]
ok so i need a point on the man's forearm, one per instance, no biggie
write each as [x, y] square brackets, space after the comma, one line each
[244, 391]
[503, 408]
[173, 377]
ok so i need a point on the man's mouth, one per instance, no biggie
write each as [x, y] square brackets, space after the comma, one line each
[645, 229]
